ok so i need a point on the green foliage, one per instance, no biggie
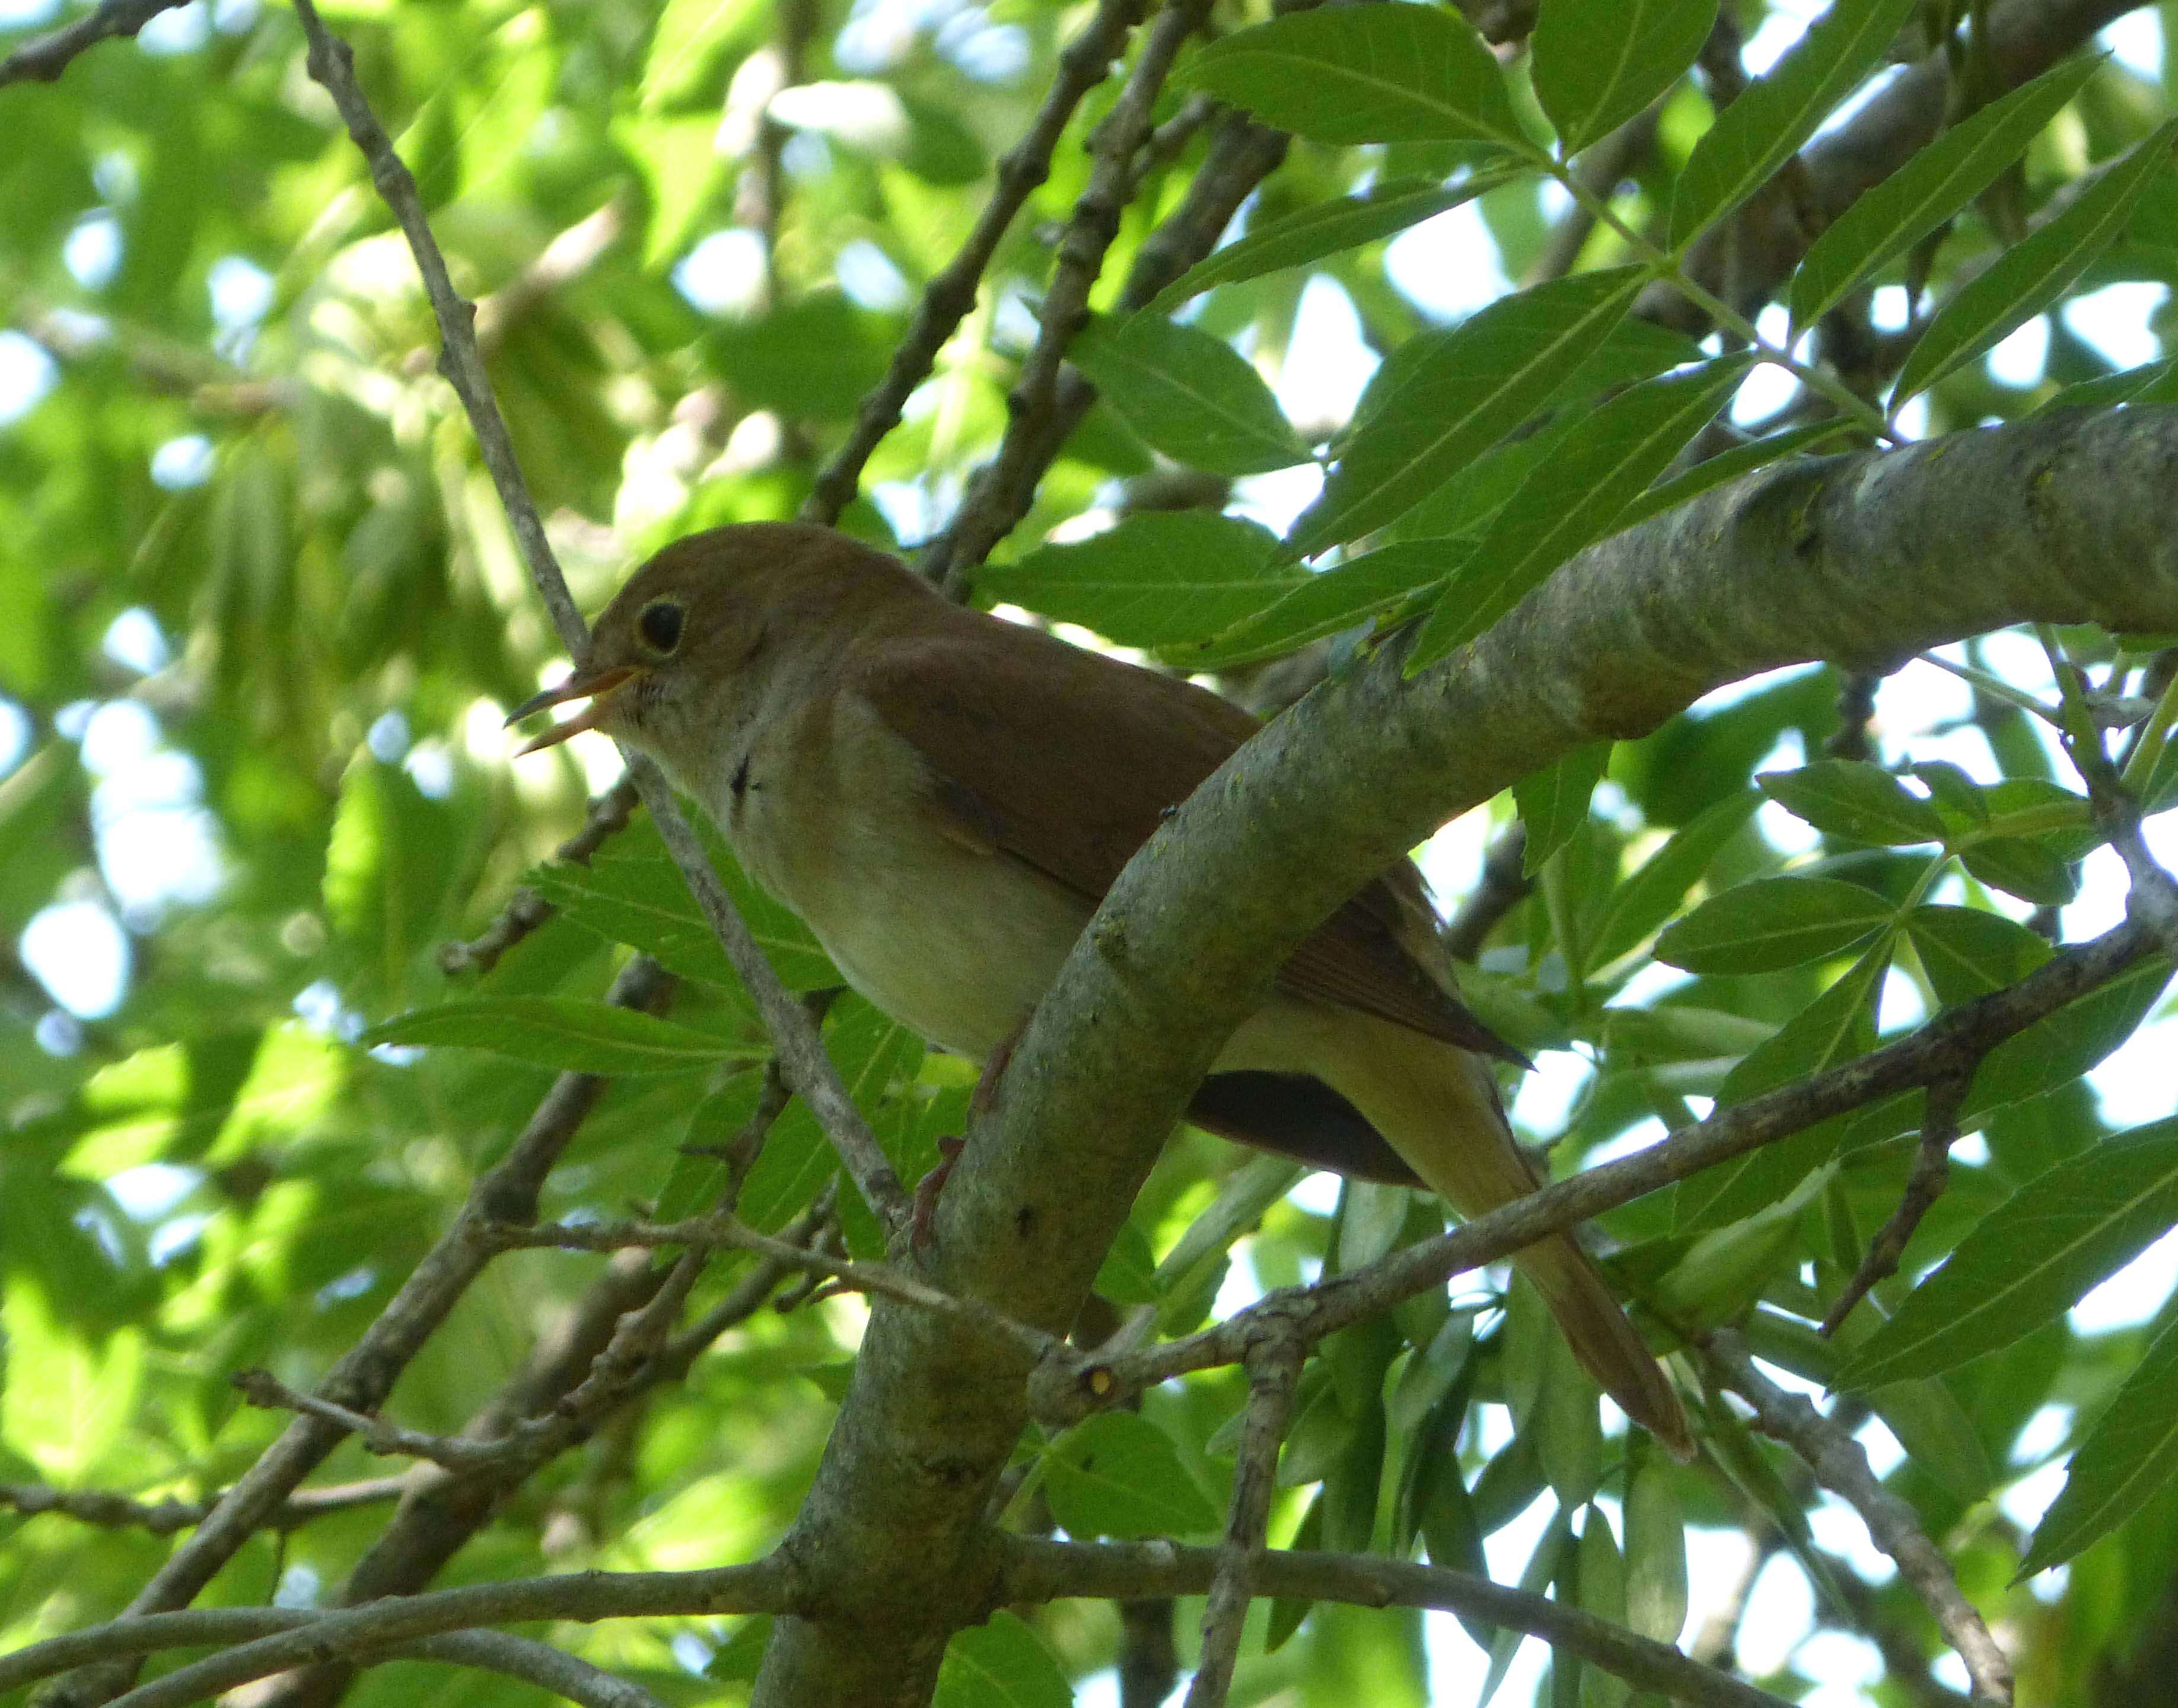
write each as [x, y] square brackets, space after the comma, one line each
[260, 620]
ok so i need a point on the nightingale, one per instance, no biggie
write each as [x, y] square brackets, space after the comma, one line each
[944, 797]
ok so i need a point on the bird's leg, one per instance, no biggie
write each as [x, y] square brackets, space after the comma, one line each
[980, 1102]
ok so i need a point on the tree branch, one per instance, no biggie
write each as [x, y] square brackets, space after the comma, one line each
[1859, 559]
[112, 1511]
[1069, 1383]
[42, 58]
[1274, 1373]
[1083, 63]
[999, 496]
[1932, 1169]
[1841, 1466]
[1040, 1570]
[332, 64]
[362, 1376]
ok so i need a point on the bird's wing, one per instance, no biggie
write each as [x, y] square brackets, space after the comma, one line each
[1067, 761]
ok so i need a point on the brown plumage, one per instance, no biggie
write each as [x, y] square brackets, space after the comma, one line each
[945, 798]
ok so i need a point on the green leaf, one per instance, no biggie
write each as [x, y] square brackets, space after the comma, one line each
[1647, 898]
[2058, 1050]
[1602, 465]
[1602, 1590]
[633, 892]
[692, 37]
[1761, 131]
[1373, 73]
[739, 1657]
[1855, 800]
[1453, 394]
[1128, 1275]
[1597, 63]
[2148, 384]
[1542, 1566]
[1554, 801]
[1324, 228]
[1288, 1611]
[1568, 1426]
[694, 1181]
[1679, 1031]
[1656, 1543]
[1836, 1027]
[2033, 273]
[1729, 465]
[812, 359]
[1937, 1434]
[1001, 1665]
[1190, 394]
[1160, 578]
[2127, 1454]
[1771, 924]
[2030, 870]
[2031, 1259]
[1118, 1474]
[1968, 952]
[1894, 215]
[563, 1032]
[1329, 601]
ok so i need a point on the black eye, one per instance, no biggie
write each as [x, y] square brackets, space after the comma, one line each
[660, 624]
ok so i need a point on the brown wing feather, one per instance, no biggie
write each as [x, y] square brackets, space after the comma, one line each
[1038, 750]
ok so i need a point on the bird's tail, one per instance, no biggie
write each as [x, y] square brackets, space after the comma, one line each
[1439, 1108]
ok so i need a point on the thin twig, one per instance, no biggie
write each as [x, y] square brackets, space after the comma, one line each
[1932, 1170]
[1041, 1570]
[364, 1374]
[1029, 1569]
[1069, 1384]
[1274, 1372]
[1084, 63]
[112, 1511]
[44, 57]
[332, 64]
[989, 511]
[711, 1233]
[1841, 1466]
[262, 1388]
[526, 910]
[1503, 886]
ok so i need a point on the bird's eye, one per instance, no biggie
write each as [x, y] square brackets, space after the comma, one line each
[660, 624]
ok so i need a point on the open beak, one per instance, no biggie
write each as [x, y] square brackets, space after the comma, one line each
[597, 689]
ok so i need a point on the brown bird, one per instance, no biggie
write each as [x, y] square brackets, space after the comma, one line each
[944, 798]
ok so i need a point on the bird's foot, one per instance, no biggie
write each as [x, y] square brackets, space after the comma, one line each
[979, 1100]
[921, 1226]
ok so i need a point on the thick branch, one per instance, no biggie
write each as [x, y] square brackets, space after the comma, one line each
[1858, 559]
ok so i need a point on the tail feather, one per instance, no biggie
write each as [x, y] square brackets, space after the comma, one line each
[1607, 1345]
[1439, 1108]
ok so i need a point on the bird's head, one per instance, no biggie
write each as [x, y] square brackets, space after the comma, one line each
[686, 651]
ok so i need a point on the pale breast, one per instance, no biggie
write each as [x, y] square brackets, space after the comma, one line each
[957, 943]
